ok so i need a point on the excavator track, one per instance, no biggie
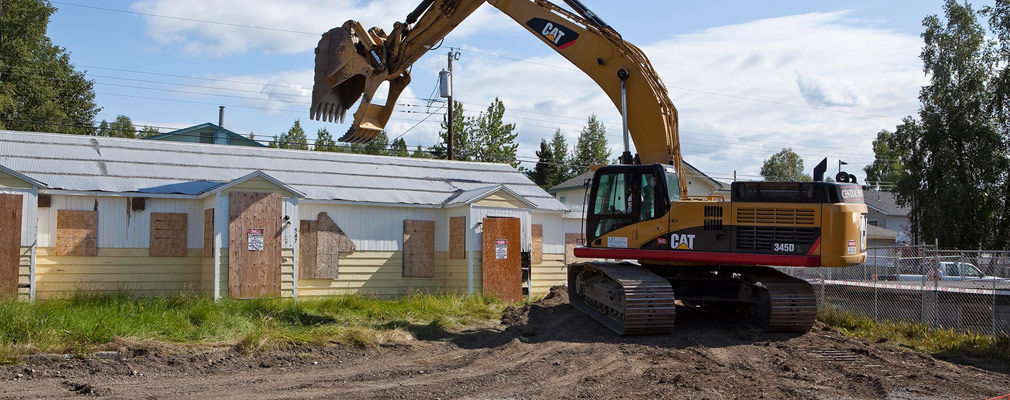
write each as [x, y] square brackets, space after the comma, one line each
[787, 304]
[626, 298]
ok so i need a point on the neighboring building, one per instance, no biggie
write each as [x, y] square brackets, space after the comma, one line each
[95, 214]
[207, 133]
[884, 212]
[880, 237]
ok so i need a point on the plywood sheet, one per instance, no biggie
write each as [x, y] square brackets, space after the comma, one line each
[573, 240]
[208, 233]
[76, 233]
[10, 243]
[457, 237]
[537, 252]
[418, 249]
[254, 221]
[319, 247]
[502, 262]
[168, 234]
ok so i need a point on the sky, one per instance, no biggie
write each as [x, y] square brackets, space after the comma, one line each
[748, 78]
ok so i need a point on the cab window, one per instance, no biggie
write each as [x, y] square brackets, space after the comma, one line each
[649, 192]
[970, 270]
[612, 195]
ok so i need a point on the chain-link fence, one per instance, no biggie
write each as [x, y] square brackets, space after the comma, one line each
[963, 290]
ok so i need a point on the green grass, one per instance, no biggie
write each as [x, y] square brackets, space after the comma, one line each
[83, 323]
[944, 343]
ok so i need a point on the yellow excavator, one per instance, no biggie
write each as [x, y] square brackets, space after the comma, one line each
[702, 252]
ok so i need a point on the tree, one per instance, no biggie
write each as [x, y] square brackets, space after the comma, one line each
[324, 142]
[122, 127]
[379, 146]
[421, 153]
[546, 166]
[999, 21]
[494, 140]
[147, 131]
[464, 145]
[39, 88]
[784, 166]
[954, 154]
[559, 149]
[591, 148]
[399, 148]
[886, 167]
[294, 138]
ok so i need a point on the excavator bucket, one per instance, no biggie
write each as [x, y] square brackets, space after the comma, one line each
[350, 64]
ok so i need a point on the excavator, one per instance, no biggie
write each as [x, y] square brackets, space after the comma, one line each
[665, 248]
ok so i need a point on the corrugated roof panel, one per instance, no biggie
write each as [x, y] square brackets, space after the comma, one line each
[86, 163]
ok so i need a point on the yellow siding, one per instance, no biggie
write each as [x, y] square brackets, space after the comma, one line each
[380, 274]
[129, 270]
[259, 185]
[502, 200]
[9, 181]
[25, 273]
[287, 272]
[550, 272]
[207, 274]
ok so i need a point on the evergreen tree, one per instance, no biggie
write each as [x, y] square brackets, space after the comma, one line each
[559, 149]
[378, 146]
[494, 139]
[399, 148]
[294, 138]
[324, 142]
[421, 153]
[122, 127]
[39, 88]
[147, 131]
[464, 144]
[546, 166]
[591, 148]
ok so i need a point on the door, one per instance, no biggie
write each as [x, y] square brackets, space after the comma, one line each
[10, 243]
[254, 245]
[501, 270]
[632, 199]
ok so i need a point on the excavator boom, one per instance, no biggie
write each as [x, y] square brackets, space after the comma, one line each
[351, 63]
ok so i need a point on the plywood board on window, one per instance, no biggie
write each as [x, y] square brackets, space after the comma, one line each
[208, 233]
[457, 237]
[418, 249]
[537, 236]
[10, 243]
[168, 234]
[251, 217]
[76, 233]
[320, 245]
[501, 268]
[573, 240]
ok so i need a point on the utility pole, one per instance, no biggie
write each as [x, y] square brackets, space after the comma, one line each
[445, 84]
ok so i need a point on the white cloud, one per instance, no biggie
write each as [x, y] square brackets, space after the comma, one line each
[303, 18]
[852, 72]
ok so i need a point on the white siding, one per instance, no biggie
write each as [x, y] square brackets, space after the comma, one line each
[554, 235]
[477, 214]
[376, 228]
[118, 226]
[571, 225]
[28, 216]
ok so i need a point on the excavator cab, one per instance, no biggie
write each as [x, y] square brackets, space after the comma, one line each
[625, 195]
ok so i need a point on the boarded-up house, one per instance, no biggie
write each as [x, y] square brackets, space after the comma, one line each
[104, 214]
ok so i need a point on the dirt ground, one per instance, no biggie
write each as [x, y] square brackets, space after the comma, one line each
[543, 350]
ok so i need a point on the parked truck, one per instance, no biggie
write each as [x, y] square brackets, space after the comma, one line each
[944, 271]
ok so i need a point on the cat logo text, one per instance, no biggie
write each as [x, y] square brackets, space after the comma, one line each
[557, 34]
[681, 242]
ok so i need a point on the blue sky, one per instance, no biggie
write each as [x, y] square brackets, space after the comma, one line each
[748, 77]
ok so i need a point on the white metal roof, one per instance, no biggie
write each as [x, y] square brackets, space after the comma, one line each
[88, 163]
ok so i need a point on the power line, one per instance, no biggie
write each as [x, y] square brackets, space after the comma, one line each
[203, 21]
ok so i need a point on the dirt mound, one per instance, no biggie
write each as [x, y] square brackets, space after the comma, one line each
[547, 349]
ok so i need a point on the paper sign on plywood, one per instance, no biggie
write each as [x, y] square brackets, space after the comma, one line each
[255, 240]
[501, 249]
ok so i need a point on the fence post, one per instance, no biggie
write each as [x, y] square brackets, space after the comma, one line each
[876, 272]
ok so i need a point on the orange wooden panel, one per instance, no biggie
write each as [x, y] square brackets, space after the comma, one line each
[418, 249]
[10, 243]
[76, 233]
[502, 263]
[254, 273]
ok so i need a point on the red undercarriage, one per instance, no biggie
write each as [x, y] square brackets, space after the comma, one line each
[700, 257]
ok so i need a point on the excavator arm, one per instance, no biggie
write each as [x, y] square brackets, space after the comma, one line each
[352, 63]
